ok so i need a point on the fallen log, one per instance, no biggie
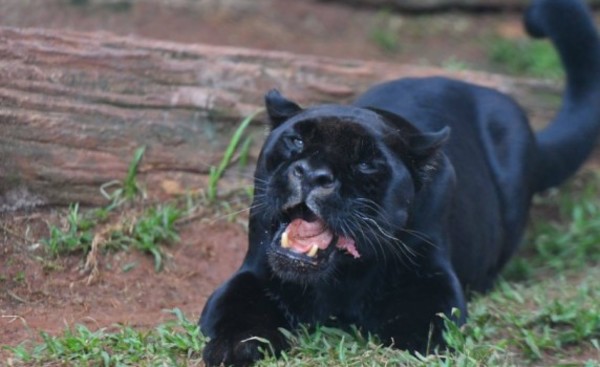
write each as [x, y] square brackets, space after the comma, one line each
[421, 6]
[74, 107]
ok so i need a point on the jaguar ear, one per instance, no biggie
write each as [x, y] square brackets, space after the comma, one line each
[421, 146]
[424, 146]
[423, 150]
[279, 108]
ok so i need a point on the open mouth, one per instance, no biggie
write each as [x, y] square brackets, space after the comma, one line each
[305, 237]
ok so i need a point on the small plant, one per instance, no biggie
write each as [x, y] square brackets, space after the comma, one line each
[76, 238]
[525, 57]
[567, 241]
[156, 226]
[216, 173]
[454, 64]
[129, 188]
[148, 232]
[19, 277]
[245, 151]
[130, 185]
[383, 34]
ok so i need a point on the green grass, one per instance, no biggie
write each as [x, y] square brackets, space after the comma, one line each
[154, 228]
[146, 231]
[567, 241]
[216, 173]
[552, 322]
[174, 343]
[525, 57]
[383, 34]
[78, 233]
[454, 64]
[123, 226]
[129, 188]
[77, 237]
[549, 315]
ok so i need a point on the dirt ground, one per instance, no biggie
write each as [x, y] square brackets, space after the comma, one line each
[39, 294]
[42, 294]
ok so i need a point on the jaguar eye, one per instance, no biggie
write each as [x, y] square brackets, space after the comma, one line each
[294, 143]
[366, 167]
[297, 142]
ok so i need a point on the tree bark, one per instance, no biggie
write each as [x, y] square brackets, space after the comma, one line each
[74, 107]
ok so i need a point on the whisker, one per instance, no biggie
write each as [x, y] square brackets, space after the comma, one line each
[221, 217]
[372, 239]
[420, 235]
[380, 236]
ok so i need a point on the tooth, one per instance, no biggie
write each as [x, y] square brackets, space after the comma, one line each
[285, 242]
[313, 251]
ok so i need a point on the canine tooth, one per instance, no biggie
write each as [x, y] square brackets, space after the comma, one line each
[313, 251]
[285, 242]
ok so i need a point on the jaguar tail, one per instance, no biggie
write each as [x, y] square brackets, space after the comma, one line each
[571, 136]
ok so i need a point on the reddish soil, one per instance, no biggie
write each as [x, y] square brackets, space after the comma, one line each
[39, 293]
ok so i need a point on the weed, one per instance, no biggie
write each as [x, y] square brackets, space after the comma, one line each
[557, 314]
[128, 267]
[153, 227]
[569, 239]
[147, 233]
[384, 34]
[245, 152]
[454, 64]
[19, 277]
[217, 172]
[129, 188]
[525, 57]
[76, 238]
[130, 185]
[156, 226]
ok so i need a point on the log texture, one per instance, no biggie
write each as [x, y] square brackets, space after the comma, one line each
[444, 5]
[74, 107]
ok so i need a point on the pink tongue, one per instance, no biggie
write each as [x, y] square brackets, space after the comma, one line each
[303, 235]
[347, 244]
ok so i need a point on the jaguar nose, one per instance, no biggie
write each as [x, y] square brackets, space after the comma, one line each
[315, 177]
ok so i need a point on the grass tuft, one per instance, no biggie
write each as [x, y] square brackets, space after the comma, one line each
[77, 237]
[127, 189]
[384, 34]
[565, 232]
[525, 57]
[216, 173]
[169, 344]
[156, 226]
[146, 232]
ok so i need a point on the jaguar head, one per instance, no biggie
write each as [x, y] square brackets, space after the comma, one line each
[334, 185]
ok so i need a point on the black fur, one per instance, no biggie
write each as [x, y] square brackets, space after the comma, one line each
[431, 180]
